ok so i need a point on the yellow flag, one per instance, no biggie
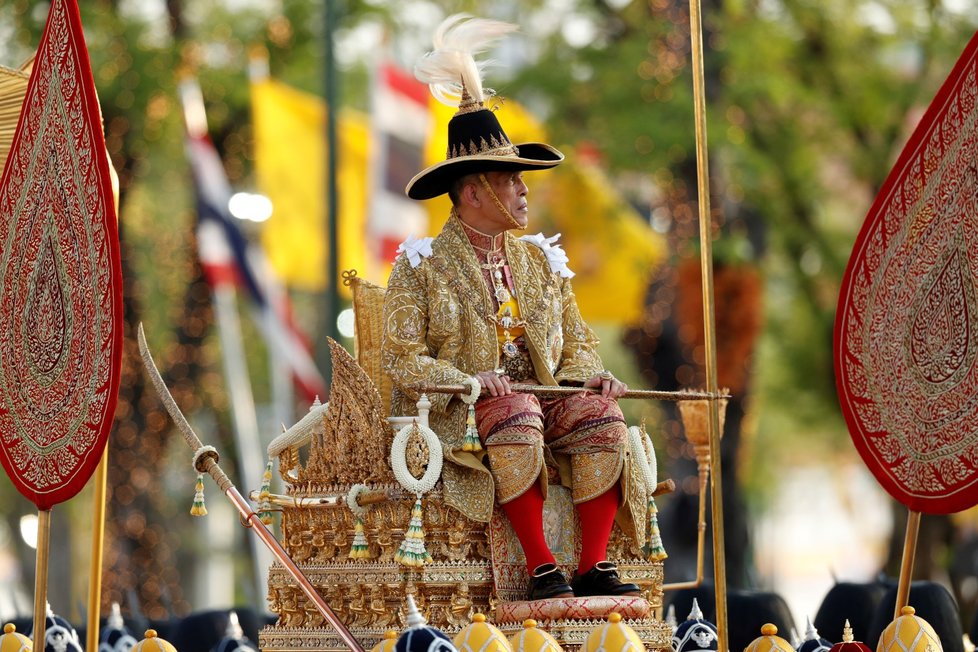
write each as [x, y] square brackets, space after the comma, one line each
[612, 249]
[290, 159]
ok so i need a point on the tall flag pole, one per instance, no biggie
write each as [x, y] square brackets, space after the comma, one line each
[230, 258]
[100, 479]
[332, 232]
[709, 318]
[61, 326]
[217, 238]
[99, 495]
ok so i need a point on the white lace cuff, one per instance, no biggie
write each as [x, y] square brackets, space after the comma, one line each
[475, 389]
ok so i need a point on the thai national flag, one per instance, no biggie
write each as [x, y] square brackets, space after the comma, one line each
[401, 122]
[227, 257]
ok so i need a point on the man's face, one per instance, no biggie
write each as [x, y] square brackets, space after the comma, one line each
[511, 190]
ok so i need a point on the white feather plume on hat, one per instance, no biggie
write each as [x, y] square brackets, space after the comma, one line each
[452, 63]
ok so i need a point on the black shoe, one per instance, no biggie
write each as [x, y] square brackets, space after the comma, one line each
[548, 582]
[602, 579]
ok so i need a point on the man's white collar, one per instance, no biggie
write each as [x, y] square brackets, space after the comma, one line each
[555, 254]
[415, 248]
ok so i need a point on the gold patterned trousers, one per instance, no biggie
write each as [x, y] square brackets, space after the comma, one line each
[587, 427]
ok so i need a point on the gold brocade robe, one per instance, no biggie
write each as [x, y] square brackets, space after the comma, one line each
[440, 330]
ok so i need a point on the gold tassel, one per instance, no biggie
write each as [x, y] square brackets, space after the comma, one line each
[361, 547]
[199, 509]
[412, 551]
[264, 496]
[471, 441]
[654, 549]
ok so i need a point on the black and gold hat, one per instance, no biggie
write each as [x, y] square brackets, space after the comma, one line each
[476, 140]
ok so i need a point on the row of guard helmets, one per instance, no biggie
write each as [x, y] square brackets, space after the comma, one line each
[480, 636]
[60, 636]
[907, 633]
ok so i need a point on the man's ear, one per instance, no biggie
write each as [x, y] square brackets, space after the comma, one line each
[470, 195]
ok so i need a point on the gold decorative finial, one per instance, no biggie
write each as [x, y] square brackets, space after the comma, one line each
[847, 633]
[467, 103]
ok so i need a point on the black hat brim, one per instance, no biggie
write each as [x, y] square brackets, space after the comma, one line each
[437, 179]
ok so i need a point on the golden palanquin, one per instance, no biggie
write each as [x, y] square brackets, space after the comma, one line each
[475, 567]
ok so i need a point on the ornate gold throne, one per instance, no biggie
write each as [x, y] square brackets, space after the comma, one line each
[343, 448]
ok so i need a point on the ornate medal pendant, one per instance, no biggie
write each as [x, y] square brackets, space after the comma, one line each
[502, 294]
[509, 347]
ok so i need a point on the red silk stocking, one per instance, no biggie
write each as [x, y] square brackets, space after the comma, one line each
[525, 514]
[597, 517]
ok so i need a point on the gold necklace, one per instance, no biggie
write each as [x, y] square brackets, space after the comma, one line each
[506, 318]
[494, 264]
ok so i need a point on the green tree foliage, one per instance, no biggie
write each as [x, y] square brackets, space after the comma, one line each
[808, 103]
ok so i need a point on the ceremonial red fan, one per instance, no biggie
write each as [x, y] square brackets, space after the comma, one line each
[906, 355]
[905, 351]
[61, 285]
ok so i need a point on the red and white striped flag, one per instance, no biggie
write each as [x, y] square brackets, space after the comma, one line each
[227, 257]
[400, 122]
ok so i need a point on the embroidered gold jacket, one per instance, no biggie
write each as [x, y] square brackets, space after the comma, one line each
[440, 330]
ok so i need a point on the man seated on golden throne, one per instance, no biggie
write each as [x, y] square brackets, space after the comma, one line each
[482, 306]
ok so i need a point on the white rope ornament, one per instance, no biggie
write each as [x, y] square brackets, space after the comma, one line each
[475, 390]
[471, 442]
[642, 457]
[352, 499]
[200, 454]
[360, 548]
[399, 459]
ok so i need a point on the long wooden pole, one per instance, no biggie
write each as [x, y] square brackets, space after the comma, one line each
[906, 564]
[552, 390]
[41, 575]
[709, 316]
[244, 419]
[95, 565]
[331, 15]
[98, 504]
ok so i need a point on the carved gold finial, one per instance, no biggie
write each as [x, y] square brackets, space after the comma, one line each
[467, 103]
